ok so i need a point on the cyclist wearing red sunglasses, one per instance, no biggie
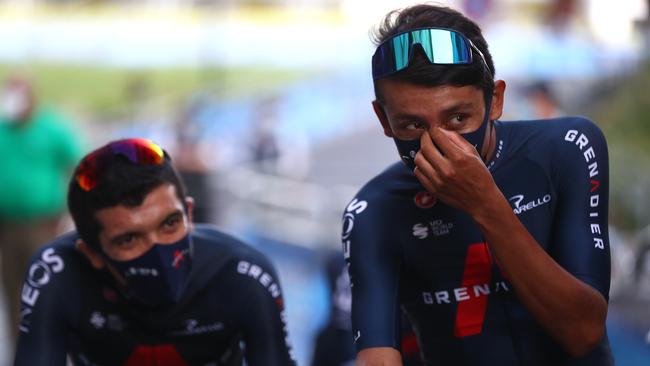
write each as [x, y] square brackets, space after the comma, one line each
[139, 284]
[492, 236]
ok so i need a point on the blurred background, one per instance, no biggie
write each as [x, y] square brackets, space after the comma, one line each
[265, 107]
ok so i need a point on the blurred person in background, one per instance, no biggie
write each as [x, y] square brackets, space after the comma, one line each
[192, 158]
[642, 265]
[542, 100]
[477, 9]
[272, 150]
[560, 13]
[492, 236]
[264, 148]
[39, 152]
[139, 284]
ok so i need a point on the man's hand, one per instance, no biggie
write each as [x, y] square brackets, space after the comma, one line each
[453, 171]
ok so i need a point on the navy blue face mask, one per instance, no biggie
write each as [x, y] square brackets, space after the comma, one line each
[159, 276]
[408, 148]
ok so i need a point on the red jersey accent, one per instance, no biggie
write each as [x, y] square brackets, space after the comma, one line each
[160, 355]
[478, 271]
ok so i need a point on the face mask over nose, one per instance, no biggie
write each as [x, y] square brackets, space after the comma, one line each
[13, 104]
[159, 276]
[408, 148]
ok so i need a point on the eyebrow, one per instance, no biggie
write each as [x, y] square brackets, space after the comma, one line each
[175, 214]
[457, 107]
[407, 117]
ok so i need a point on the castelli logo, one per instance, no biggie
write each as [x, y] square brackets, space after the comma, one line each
[109, 295]
[425, 199]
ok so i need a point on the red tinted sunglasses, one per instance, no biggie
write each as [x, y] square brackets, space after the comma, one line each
[137, 150]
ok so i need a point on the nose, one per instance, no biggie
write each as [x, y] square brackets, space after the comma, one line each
[149, 242]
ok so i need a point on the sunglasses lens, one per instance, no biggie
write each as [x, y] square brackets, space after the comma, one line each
[391, 56]
[440, 46]
[443, 46]
[87, 173]
[138, 151]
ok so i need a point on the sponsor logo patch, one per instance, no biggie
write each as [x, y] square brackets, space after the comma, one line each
[425, 200]
[433, 228]
[193, 327]
[97, 320]
[39, 275]
[524, 207]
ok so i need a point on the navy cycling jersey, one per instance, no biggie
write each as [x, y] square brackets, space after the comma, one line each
[408, 252]
[232, 308]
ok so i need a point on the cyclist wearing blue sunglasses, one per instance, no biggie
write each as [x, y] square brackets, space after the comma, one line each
[492, 236]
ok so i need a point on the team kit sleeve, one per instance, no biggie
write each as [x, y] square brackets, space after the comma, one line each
[43, 315]
[373, 265]
[262, 313]
[580, 236]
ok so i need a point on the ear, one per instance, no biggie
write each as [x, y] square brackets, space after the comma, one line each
[189, 203]
[93, 257]
[497, 99]
[381, 115]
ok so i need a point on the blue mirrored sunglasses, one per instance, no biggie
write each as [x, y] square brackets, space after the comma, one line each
[441, 47]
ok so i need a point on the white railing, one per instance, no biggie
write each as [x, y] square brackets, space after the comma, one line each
[285, 209]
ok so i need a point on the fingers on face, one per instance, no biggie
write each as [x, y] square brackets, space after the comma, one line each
[432, 161]
[424, 180]
[431, 152]
[452, 141]
[427, 170]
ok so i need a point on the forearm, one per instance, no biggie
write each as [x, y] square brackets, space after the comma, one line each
[571, 311]
[379, 356]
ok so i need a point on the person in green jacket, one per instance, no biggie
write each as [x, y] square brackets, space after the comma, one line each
[38, 151]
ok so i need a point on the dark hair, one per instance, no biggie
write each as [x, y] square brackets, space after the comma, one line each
[420, 71]
[122, 183]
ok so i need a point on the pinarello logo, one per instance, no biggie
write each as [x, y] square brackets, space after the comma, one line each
[425, 199]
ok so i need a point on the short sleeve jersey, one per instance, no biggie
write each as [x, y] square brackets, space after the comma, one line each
[409, 252]
[232, 308]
